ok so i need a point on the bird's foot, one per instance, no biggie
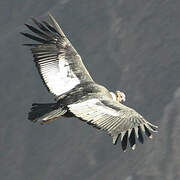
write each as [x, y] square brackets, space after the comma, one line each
[46, 121]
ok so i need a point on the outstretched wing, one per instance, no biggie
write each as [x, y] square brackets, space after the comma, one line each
[58, 63]
[115, 118]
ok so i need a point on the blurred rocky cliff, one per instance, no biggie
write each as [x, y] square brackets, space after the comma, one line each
[129, 45]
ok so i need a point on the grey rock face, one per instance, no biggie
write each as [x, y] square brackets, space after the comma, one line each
[131, 46]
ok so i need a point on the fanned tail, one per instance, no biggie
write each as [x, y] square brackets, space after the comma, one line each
[45, 112]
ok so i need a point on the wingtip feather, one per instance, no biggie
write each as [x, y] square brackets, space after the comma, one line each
[115, 138]
[134, 147]
[56, 25]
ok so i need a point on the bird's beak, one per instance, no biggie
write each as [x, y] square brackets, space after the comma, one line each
[123, 99]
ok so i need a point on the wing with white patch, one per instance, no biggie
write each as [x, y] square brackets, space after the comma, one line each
[58, 63]
[115, 118]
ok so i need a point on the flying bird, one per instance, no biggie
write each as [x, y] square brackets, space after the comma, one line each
[76, 93]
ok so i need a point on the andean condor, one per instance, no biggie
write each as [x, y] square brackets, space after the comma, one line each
[77, 95]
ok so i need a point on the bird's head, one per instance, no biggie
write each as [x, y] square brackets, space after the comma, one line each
[119, 96]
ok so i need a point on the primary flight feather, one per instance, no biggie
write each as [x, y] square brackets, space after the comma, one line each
[64, 74]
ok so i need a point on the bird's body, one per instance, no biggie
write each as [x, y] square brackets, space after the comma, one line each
[65, 76]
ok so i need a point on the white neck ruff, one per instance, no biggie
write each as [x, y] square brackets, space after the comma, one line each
[113, 96]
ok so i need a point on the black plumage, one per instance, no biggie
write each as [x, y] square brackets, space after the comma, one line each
[132, 139]
[140, 136]
[124, 141]
[76, 94]
[147, 132]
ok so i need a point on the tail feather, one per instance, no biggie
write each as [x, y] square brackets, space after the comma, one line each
[44, 112]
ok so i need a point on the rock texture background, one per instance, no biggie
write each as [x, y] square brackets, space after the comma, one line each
[129, 45]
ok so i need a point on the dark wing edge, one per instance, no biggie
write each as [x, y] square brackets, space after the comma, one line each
[116, 119]
[129, 126]
[52, 46]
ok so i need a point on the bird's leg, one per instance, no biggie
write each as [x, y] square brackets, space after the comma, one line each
[46, 121]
